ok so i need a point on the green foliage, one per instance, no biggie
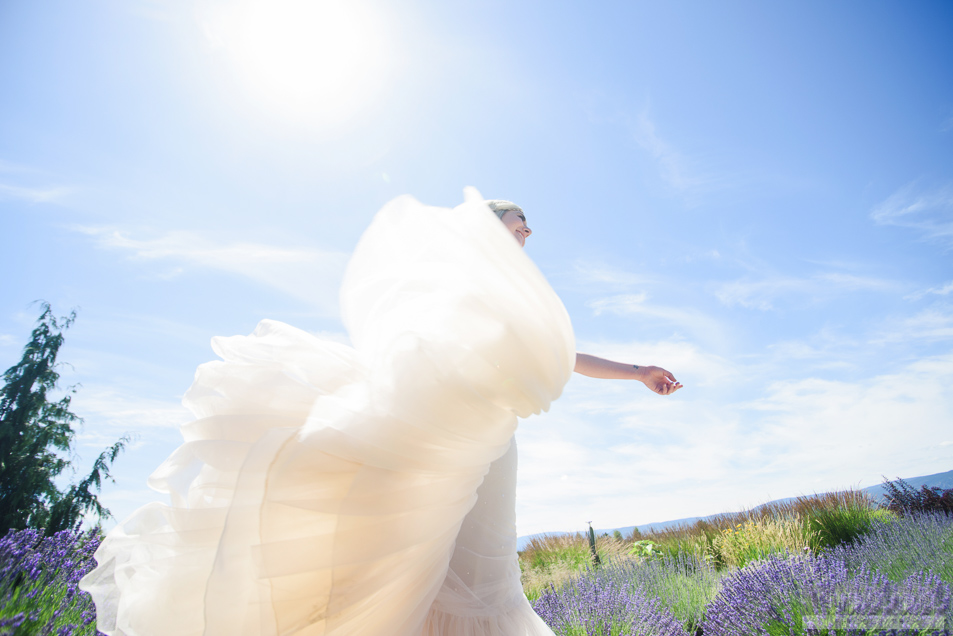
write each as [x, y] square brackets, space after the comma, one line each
[36, 434]
[33, 428]
[79, 498]
[840, 525]
[645, 548]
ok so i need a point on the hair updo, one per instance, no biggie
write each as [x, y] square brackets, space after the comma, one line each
[501, 207]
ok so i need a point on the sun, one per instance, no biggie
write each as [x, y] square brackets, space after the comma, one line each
[317, 60]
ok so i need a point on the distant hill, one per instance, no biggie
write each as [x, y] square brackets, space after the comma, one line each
[939, 480]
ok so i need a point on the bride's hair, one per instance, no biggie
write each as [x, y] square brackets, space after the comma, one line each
[501, 207]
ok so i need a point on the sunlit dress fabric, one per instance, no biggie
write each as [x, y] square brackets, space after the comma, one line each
[333, 490]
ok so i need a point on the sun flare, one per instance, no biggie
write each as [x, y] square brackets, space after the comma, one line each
[320, 59]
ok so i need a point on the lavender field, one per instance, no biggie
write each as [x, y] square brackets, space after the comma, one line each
[835, 565]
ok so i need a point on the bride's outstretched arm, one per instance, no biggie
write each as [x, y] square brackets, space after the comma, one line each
[655, 378]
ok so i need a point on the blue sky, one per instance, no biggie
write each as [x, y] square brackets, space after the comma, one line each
[756, 196]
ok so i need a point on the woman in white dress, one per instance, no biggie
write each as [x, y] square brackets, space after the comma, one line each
[367, 490]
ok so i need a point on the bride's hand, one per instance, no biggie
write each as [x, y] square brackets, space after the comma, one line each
[659, 380]
[656, 378]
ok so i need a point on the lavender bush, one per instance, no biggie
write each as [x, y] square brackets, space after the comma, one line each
[905, 546]
[684, 583]
[807, 594]
[38, 579]
[606, 602]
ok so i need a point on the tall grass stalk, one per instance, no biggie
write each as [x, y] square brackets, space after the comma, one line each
[758, 539]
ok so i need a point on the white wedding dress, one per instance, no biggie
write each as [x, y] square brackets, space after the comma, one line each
[366, 491]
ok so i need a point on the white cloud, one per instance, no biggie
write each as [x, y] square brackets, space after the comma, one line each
[309, 274]
[33, 195]
[944, 290]
[763, 293]
[695, 323]
[109, 412]
[619, 456]
[673, 166]
[588, 273]
[932, 324]
[929, 211]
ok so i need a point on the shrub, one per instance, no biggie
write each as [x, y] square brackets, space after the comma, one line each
[841, 525]
[38, 579]
[801, 594]
[605, 602]
[756, 539]
[904, 499]
[900, 547]
[685, 584]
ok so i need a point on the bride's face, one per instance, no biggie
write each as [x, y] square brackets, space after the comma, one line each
[515, 222]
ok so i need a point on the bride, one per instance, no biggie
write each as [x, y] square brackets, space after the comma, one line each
[330, 490]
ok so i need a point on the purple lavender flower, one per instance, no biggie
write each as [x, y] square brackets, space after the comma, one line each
[39, 575]
[601, 603]
[899, 548]
[797, 593]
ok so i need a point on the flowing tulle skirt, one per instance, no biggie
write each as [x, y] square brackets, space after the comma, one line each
[333, 490]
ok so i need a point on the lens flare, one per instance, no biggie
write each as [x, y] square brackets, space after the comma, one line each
[319, 60]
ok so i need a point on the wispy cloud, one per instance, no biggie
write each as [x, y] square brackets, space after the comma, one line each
[932, 324]
[928, 211]
[593, 273]
[943, 290]
[763, 293]
[309, 274]
[110, 413]
[694, 322]
[33, 195]
[674, 168]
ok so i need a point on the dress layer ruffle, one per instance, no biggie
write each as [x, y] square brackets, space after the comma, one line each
[329, 490]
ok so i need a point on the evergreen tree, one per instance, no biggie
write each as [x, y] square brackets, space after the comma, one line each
[36, 434]
[78, 500]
